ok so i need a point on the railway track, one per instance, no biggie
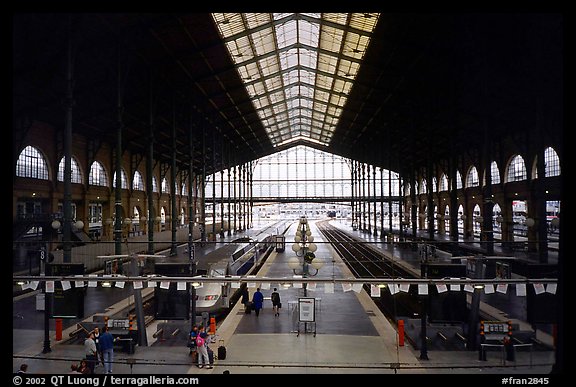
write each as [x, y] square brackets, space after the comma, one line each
[366, 262]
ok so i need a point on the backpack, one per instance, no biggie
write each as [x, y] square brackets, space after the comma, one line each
[199, 341]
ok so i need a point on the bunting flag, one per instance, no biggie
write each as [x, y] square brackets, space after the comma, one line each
[538, 288]
[469, 288]
[329, 287]
[137, 284]
[164, 284]
[357, 287]
[79, 284]
[91, 284]
[502, 288]
[119, 284]
[374, 290]
[551, 288]
[251, 285]
[521, 290]
[488, 289]
[346, 286]
[423, 289]
[49, 286]
[65, 285]
[393, 288]
[455, 287]
[151, 284]
[441, 288]
[33, 285]
[297, 285]
[180, 285]
[404, 288]
[265, 285]
[311, 286]
[235, 285]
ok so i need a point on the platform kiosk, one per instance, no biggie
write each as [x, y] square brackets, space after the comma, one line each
[494, 335]
[280, 243]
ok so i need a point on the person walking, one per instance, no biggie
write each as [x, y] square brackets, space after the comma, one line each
[107, 347]
[275, 297]
[257, 299]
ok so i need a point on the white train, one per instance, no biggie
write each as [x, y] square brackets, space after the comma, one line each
[238, 258]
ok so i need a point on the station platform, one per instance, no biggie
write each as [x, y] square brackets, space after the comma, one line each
[351, 336]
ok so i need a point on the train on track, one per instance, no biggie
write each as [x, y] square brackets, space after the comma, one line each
[240, 257]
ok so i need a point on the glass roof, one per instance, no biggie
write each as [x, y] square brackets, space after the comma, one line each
[298, 68]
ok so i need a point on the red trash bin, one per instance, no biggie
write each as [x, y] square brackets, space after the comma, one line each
[58, 329]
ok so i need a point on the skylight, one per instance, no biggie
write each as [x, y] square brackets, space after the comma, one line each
[298, 68]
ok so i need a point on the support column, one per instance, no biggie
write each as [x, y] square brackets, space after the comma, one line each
[352, 187]
[150, 173]
[67, 202]
[173, 190]
[118, 168]
[229, 197]
[539, 198]
[414, 203]
[390, 210]
[213, 183]
[375, 201]
[235, 171]
[363, 195]
[382, 233]
[367, 198]
[222, 189]
[488, 202]
[430, 200]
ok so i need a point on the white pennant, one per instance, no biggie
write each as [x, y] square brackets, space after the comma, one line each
[521, 290]
[357, 287]
[404, 288]
[180, 285]
[502, 288]
[374, 291]
[65, 285]
[488, 288]
[329, 287]
[423, 289]
[164, 284]
[346, 286]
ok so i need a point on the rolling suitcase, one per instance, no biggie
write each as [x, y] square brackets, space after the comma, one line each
[248, 308]
[221, 350]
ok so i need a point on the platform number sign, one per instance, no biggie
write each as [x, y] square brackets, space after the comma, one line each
[43, 255]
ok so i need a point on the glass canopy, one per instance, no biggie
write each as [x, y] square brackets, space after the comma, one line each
[298, 68]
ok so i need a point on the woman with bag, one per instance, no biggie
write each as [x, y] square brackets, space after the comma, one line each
[276, 304]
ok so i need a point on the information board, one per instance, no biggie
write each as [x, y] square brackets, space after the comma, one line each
[66, 303]
[306, 308]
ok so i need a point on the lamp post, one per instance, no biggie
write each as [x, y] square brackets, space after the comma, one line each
[304, 248]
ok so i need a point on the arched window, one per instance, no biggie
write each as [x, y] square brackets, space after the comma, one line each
[32, 164]
[137, 182]
[76, 175]
[472, 178]
[434, 185]
[516, 169]
[165, 187]
[458, 180]
[154, 184]
[184, 191]
[443, 183]
[407, 189]
[551, 162]
[123, 179]
[423, 186]
[97, 175]
[495, 172]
